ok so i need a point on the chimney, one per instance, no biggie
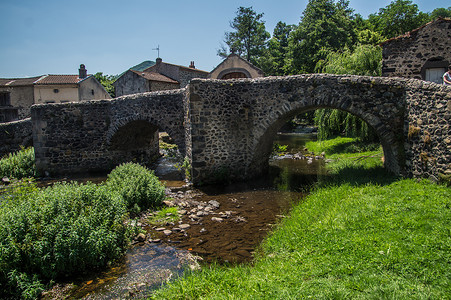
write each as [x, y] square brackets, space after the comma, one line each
[158, 63]
[192, 65]
[82, 72]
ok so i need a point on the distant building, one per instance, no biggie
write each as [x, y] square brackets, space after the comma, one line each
[235, 67]
[161, 76]
[423, 53]
[17, 95]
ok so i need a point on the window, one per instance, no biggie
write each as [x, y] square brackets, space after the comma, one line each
[435, 75]
[92, 92]
[56, 91]
[5, 99]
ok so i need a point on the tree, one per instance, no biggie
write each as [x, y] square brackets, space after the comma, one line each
[441, 12]
[325, 26]
[364, 60]
[107, 82]
[249, 37]
[274, 60]
[397, 18]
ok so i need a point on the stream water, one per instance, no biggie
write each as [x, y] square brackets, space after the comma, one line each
[229, 231]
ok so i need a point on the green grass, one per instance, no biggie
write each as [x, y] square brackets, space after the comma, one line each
[354, 237]
[18, 165]
[164, 216]
[343, 147]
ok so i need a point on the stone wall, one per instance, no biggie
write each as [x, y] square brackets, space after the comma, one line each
[410, 55]
[22, 98]
[234, 122]
[130, 83]
[227, 127]
[95, 136]
[186, 75]
[163, 86]
[15, 134]
[428, 130]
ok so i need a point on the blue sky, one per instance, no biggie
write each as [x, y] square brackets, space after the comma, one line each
[109, 36]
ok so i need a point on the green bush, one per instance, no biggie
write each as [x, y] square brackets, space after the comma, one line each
[58, 231]
[18, 165]
[138, 185]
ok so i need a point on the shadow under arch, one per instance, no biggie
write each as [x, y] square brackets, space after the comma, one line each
[263, 147]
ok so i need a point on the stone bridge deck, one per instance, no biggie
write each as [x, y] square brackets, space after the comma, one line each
[227, 127]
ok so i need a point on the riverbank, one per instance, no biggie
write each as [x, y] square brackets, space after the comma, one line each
[361, 234]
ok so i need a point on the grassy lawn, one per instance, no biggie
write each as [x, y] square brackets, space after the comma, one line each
[363, 234]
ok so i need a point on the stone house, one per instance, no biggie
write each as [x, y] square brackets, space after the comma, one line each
[17, 95]
[161, 76]
[423, 53]
[235, 67]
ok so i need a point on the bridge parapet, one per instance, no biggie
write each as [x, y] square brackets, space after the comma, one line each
[234, 122]
[98, 135]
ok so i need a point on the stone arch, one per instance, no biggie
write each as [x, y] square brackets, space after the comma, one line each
[135, 141]
[263, 147]
[234, 70]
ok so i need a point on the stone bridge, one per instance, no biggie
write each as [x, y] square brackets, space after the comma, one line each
[228, 127]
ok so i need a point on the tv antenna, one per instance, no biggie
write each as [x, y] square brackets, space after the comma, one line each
[158, 49]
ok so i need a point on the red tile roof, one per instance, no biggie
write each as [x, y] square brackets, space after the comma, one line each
[153, 76]
[60, 79]
[18, 81]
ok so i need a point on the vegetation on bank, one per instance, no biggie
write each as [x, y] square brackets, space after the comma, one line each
[68, 228]
[18, 165]
[362, 234]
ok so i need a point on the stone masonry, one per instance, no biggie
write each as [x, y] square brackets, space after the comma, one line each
[95, 136]
[226, 127]
[15, 134]
[410, 55]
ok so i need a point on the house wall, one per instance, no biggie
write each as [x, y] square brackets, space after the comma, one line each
[186, 75]
[130, 83]
[163, 86]
[91, 89]
[21, 98]
[234, 63]
[46, 93]
[178, 73]
[410, 56]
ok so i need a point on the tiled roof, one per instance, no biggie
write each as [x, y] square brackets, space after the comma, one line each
[60, 79]
[408, 34]
[153, 76]
[18, 81]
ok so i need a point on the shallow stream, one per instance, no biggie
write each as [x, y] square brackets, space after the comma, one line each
[218, 224]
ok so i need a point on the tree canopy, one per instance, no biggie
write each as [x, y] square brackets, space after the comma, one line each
[249, 36]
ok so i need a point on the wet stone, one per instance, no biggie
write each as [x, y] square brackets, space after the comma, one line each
[184, 226]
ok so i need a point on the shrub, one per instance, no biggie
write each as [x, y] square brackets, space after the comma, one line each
[18, 165]
[138, 186]
[61, 230]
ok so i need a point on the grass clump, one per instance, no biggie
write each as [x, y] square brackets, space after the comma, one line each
[67, 229]
[137, 185]
[164, 216]
[18, 165]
